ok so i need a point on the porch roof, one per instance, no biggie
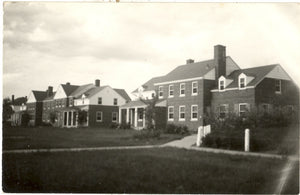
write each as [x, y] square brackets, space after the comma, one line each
[84, 107]
[132, 104]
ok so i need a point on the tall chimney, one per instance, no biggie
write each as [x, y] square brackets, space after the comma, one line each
[97, 83]
[189, 61]
[220, 61]
[50, 91]
[67, 83]
[12, 99]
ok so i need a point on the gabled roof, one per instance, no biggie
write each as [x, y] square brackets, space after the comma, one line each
[69, 88]
[39, 95]
[123, 93]
[186, 71]
[50, 97]
[257, 72]
[81, 90]
[141, 103]
[19, 101]
[92, 91]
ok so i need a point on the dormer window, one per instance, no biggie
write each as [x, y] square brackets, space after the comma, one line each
[222, 83]
[242, 81]
[278, 86]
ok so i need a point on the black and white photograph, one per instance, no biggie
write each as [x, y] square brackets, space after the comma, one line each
[124, 97]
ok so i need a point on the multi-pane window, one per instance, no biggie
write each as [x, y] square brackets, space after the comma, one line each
[160, 91]
[243, 108]
[99, 116]
[171, 90]
[242, 83]
[171, 113]
[114, 116]
[182, 89]
[278, 86]
[71, 101]
[194, 112]
[99, 100]
[115, 101]
[140, 115]
[181, 113]
[194, 88]
[222, 84]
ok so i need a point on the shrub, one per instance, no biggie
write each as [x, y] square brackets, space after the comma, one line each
[124, 126]
[114, 125]
[82, 117]
[147, 134]
[176, 129]
[53, 117]
[25, 119]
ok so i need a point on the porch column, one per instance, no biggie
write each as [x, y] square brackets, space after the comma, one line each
[135, 117]
[120, 115]
[67, 119]
[71, 118]
[127, 115]
[144, 118]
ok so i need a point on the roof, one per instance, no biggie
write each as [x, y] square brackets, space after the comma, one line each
[39, 95]
[186, 71]
[50, 97]
[69, 88]
[140, 103]
[257, 72]
[92, 91]
[81, 90]
[123, 93]
[19, 101]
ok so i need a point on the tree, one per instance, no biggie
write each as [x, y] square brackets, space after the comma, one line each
[25, 119]
[7, 109]
[82, 117]
[53, 117]
[150, 111]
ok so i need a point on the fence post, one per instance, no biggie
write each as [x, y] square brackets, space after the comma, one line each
[247, 140]
[199, 136]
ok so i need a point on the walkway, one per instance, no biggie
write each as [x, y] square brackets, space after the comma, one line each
[185, 142]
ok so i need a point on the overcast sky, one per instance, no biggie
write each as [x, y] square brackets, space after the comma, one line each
[125, 45]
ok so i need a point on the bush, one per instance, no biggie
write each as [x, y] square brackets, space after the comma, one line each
[25, 119]
[147, 134]
[176, 129]
[124, 126]
[114, 125]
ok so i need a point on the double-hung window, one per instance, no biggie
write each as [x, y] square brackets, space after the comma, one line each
[171, 113]
[171, 90]
[114, 117]
[194, 112]
[100, 100]
[243, 109]
[182, 89]
[278, 86]
[160, 92]
[222, 85]
[194, 88]
[242, 83]
[99, 116]
[115, 101]
[181, 113]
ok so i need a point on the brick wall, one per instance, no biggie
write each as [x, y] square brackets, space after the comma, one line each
[106, 115]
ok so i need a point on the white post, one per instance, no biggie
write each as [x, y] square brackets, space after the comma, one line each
[247, 140]
[120, 115]
[135, 117]
[144, 118]
[127, 115]
[199, 135]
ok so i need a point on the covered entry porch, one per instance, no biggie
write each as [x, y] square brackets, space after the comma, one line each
[70, 117]
[133, 113]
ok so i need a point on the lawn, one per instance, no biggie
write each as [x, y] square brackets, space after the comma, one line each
[159, 170]
[49, 137]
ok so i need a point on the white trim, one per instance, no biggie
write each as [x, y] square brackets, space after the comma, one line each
[181, 119]
[234, 88]
[222, 78]
[170, 96]
[240, 104]
[112, 117]
[178, 81]
[194, 119]
[97, 116]
[160, 89]
[181, 95]
[280, 86]
[242, 76]
[171, 119]
[194, 94]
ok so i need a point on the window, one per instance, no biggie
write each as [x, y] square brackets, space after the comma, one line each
[242, 82]
[160, 92]
[222, 84]
[115, 101]
[71, 101]
[278, 86]
[194, 88]
[194, 112]
[140, 115]
[171, 113]
[181, 113]
[99, 116]
[114, 116]
[99, 100]
[182, 89]
[153, 94]
[222, 111]
[171, 90]
[243, 108]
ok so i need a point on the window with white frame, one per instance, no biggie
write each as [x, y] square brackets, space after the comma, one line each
[278, 86]
[99, 100]
[140, 114]
[115, 101]
[243, 109]
[160, 92]
[171, 90]
[182, 89]
[181, 113]
[195, 88]
[171, 113]
[242, 81]
[99, 116]
[194, 112]
[222, 85]
[114, 117]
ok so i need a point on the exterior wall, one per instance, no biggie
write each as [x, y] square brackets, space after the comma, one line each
[35, 111]
[106, 115]
[53, 105]
[107, 94]
[233, 98]
[188, 100]
[161, 117]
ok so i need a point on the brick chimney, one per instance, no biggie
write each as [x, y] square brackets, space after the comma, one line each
[189, 61]
[97, 83]
[12, 99]
[49, 91]
[68, 83]
[220, 61]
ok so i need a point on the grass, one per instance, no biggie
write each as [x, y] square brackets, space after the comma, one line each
[49, 137]
[160, 170]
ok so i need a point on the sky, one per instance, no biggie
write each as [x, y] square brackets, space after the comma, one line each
[126, 44]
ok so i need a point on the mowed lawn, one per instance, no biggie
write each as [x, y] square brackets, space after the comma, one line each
[49, 137]
[158, 170]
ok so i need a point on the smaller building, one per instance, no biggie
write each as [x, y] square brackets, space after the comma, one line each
[19, 108]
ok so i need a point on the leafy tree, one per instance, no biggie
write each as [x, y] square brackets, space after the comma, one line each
[82, 117]
[7, 109]
[150, 111]
[53, 117]
[25, 119]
